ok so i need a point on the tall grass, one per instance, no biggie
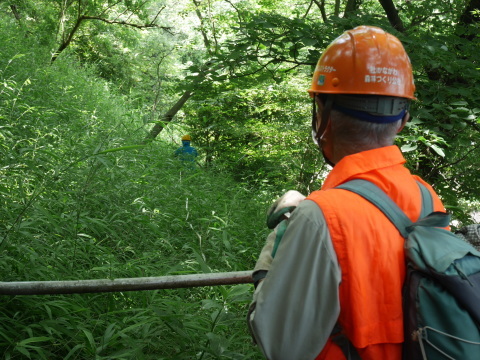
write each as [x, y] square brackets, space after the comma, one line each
[72, 208]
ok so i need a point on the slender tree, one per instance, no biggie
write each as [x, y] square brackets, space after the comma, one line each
[392, 15]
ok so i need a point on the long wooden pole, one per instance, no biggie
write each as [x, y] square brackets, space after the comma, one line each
[129, 284]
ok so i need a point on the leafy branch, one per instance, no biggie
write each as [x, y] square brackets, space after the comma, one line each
[83, 18]
[145, 26]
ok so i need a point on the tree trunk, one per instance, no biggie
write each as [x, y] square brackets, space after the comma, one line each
[350, 8]
[392, 15]
[336, 12]
[67, 42]
[203, 30]
[15, 12]
[321, 6]
[469, 17]
[168, 116]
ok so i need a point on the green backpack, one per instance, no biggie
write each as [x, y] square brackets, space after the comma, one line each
[441, 293]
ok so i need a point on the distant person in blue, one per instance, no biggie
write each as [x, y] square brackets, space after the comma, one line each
[186, 153]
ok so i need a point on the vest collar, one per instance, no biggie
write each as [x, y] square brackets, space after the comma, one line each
[363, 162]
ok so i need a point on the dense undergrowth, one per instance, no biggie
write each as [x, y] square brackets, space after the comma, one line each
[81, 196]
[80, 200]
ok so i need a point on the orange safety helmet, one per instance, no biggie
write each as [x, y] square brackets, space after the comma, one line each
[186, 138]
[364, 61]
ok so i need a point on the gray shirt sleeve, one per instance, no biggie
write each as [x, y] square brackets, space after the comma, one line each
[296, 306]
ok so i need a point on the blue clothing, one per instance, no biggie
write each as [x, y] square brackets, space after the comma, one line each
[186, 152]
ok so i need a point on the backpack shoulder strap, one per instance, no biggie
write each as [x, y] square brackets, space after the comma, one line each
[381, 200]
[427, 200]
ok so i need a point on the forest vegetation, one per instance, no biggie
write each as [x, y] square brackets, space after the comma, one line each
[94, 97]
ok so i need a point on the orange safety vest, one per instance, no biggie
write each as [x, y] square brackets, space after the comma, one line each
[370, 251]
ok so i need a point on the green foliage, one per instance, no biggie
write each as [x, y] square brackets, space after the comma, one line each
[108, 51]
[81, 200]
[252, 132]
[442, 139]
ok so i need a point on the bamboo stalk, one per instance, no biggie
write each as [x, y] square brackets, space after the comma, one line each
[128, 284]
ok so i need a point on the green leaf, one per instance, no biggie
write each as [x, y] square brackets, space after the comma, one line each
[447, 126]
[23, 351]
[33, 340]
[459, 103]
[218, 343]
[74, 350]
[211, 304]
[90, 339]
[130, 147]
[239, 293]
[409, 147]
[310, 41]
[438, 150]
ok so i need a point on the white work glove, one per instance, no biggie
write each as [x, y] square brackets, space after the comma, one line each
[277, 215]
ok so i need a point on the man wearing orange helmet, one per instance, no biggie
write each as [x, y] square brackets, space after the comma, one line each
[186, 152]
[329, 279]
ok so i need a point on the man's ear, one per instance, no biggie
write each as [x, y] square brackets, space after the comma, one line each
[405, 119]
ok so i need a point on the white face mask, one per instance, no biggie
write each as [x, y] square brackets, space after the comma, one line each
[315, 141]
[314, 138]
[314, 132]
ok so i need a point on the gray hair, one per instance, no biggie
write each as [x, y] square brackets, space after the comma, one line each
[360, 135]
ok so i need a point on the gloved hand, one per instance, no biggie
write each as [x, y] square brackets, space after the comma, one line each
[277, 215]
[281, 209]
